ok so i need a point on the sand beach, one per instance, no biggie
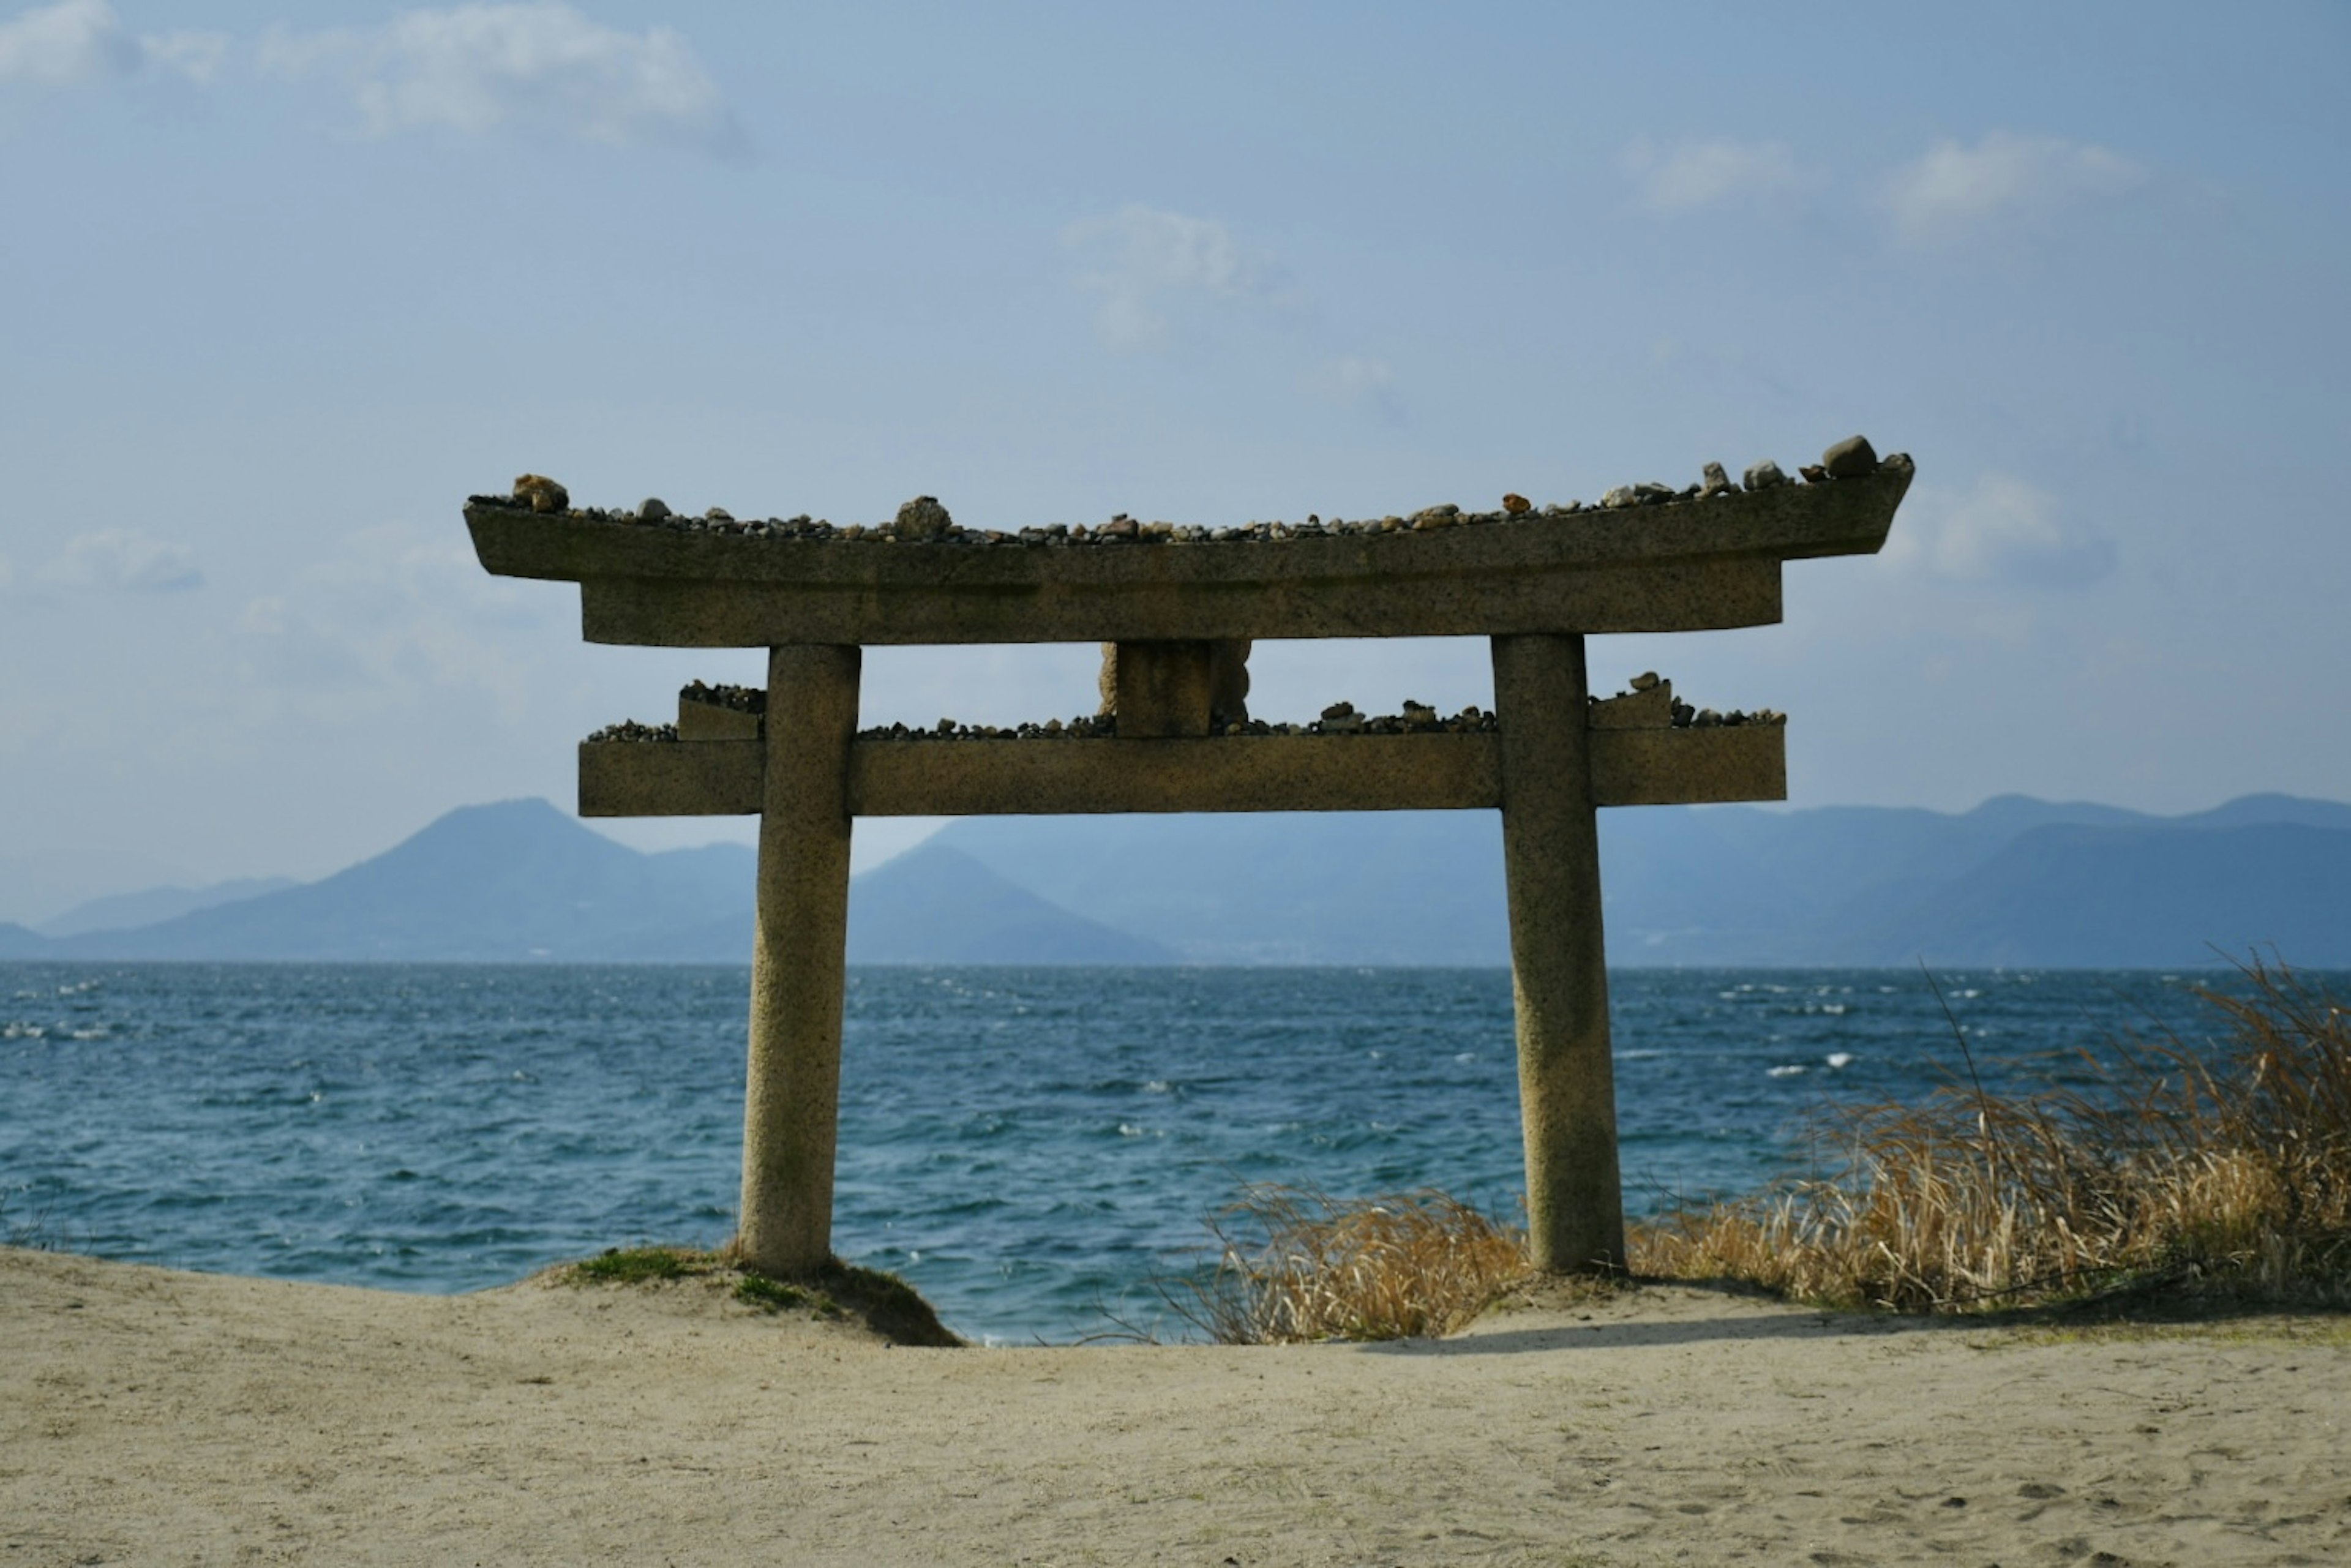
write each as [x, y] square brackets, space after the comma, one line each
[150, 1416]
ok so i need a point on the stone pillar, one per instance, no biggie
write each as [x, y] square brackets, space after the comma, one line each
[792, 1101]
[1551, 856]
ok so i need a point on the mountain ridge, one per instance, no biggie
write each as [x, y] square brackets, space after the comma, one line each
[2014, 881]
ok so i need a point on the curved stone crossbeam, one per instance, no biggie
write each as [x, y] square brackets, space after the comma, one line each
[1699, 563]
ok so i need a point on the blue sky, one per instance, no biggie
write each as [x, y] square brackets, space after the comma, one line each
[281, 285]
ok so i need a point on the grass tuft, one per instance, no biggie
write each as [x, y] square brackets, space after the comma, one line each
[1295, 1264]
[640, 1265]
[2217, 1171]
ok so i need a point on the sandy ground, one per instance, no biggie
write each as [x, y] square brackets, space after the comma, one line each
[154, 1416]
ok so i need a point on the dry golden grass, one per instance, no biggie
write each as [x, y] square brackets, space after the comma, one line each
[1296, 1264]
[2226, 1168]
[2219, 1170]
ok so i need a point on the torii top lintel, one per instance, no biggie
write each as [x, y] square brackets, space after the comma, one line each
[1686, 563]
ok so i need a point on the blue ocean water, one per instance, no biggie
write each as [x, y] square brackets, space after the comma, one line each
[1026, 1145]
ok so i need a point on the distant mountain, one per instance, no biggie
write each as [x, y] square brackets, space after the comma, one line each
[935, 905]
[521, 881]
[2016, 880]
[516, 881]
[124, 911]
[19, 942]
[2113, 898]
[1375, 887]
[1718, 885]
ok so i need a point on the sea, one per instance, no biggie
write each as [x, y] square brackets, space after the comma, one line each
[1038, 1150]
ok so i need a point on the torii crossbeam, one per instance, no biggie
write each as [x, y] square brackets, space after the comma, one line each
[1176, 610]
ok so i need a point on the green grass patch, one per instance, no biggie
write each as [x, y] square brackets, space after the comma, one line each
[836, 1292]
[782, 1296]
[640, 1266]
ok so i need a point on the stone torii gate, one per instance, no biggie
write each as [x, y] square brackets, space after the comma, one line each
[1176, 610]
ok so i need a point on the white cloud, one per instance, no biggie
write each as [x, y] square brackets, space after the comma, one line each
[1145, 258]
[60, 44]
[122, 561]
[1352, 381]
[1694, 174]
[195, 55]
[473, 68]
[77, 41]
[2001, 531]
[1954, 189]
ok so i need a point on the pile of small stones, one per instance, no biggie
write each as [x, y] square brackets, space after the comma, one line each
[1340, 718]
[742, 699]
[1417, 718]
[629, 729]
[925, 520]
[1688, 717]
[1086, 726]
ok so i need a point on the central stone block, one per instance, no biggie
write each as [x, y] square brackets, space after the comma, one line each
[1174, 690]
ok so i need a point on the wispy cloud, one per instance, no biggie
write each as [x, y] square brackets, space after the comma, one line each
[397, 616]
[2002, 530]
[1955, 189]
[1689, 175]
[1354, 381]
[476, 69]
[122, 561]
[78, 41]
[1143, 260]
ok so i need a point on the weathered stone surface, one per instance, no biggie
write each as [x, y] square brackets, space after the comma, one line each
[1764, 475]
[1813, 473]
[1550, 862]
[799, 950]
[923, 519]
[1850, 459]
[1162, 689]
[1229, 680]
[1671, 567]
[651, 509]
[1643, 707]
[540, 493]
[1716, 482]
[720, 713]
[1647, 681]
[1516, 506]
[1436, 771]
